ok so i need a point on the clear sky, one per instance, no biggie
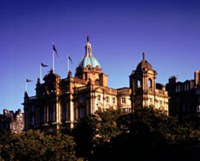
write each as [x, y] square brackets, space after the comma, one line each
[168, 31]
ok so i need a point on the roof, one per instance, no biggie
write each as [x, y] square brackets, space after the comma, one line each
[88, 60]
[144, 64]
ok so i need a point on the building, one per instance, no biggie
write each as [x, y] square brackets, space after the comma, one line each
[62, 102]
[184, 96]
[145, 91]
[10, 121]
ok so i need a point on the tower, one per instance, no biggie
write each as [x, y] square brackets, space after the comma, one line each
[89, 68]
[144, 87]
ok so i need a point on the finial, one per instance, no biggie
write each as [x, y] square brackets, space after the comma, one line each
[38, 81]
[69, 74]
[51, 71]
[88, 39]
[143, 56]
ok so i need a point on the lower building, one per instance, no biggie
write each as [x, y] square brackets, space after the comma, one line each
[184, 96]
[62, 102]
[12, 121]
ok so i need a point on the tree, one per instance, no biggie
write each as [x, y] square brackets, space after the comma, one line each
[35, 145]
[96, 129]
[149, 132]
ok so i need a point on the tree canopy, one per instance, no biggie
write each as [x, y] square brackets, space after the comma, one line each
[35, 145]
[111, 135]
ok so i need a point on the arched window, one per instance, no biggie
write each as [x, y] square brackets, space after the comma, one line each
[150, 83]
[139, 84]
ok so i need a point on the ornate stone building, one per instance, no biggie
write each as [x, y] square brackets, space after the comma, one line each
[12, 121]
[145, 91]
[184, 96]
[62, 102]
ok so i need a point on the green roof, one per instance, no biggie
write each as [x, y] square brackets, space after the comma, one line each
[89, 60]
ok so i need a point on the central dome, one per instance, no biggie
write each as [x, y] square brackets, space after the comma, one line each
[144, 64]
[88, 58]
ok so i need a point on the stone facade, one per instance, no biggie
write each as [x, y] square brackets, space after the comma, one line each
[10, 121]
[145, 91]
[184, 96]
[62, 102]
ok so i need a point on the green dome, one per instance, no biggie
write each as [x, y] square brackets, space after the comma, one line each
[89, 60]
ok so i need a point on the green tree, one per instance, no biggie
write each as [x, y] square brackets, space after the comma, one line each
[96, 129]
[35, 145]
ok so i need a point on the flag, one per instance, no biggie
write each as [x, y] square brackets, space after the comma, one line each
[54, 49]
[70, 59]
[29, 80]
[43, 65]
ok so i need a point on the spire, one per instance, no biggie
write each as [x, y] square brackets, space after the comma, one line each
[88, 39]
[88, 47]
[143, 56]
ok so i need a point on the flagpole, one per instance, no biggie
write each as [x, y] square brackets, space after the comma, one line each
[26, 86]
[40, 72]
[53, 63]
[68, 63]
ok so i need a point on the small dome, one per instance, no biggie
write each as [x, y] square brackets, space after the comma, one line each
[144, 64]
[89, 60]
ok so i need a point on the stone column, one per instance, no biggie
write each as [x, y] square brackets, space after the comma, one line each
[71, 107]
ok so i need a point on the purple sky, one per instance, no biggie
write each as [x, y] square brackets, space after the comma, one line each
[168, 31]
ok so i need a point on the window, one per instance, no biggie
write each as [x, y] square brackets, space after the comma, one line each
[32, 120]
[52, 113]
[123, 100]
[81, 98]
[198, 108]
[161, 103]
[99, 97]
[107, 99]
[128, 110]
[64, 91]
[150, 100]
[113, 100]
[187, 86]
[178, 88]
[44, 114]
[82, 112]
[150, 83]
[139, 84]
[64, 112]
[32, 108]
